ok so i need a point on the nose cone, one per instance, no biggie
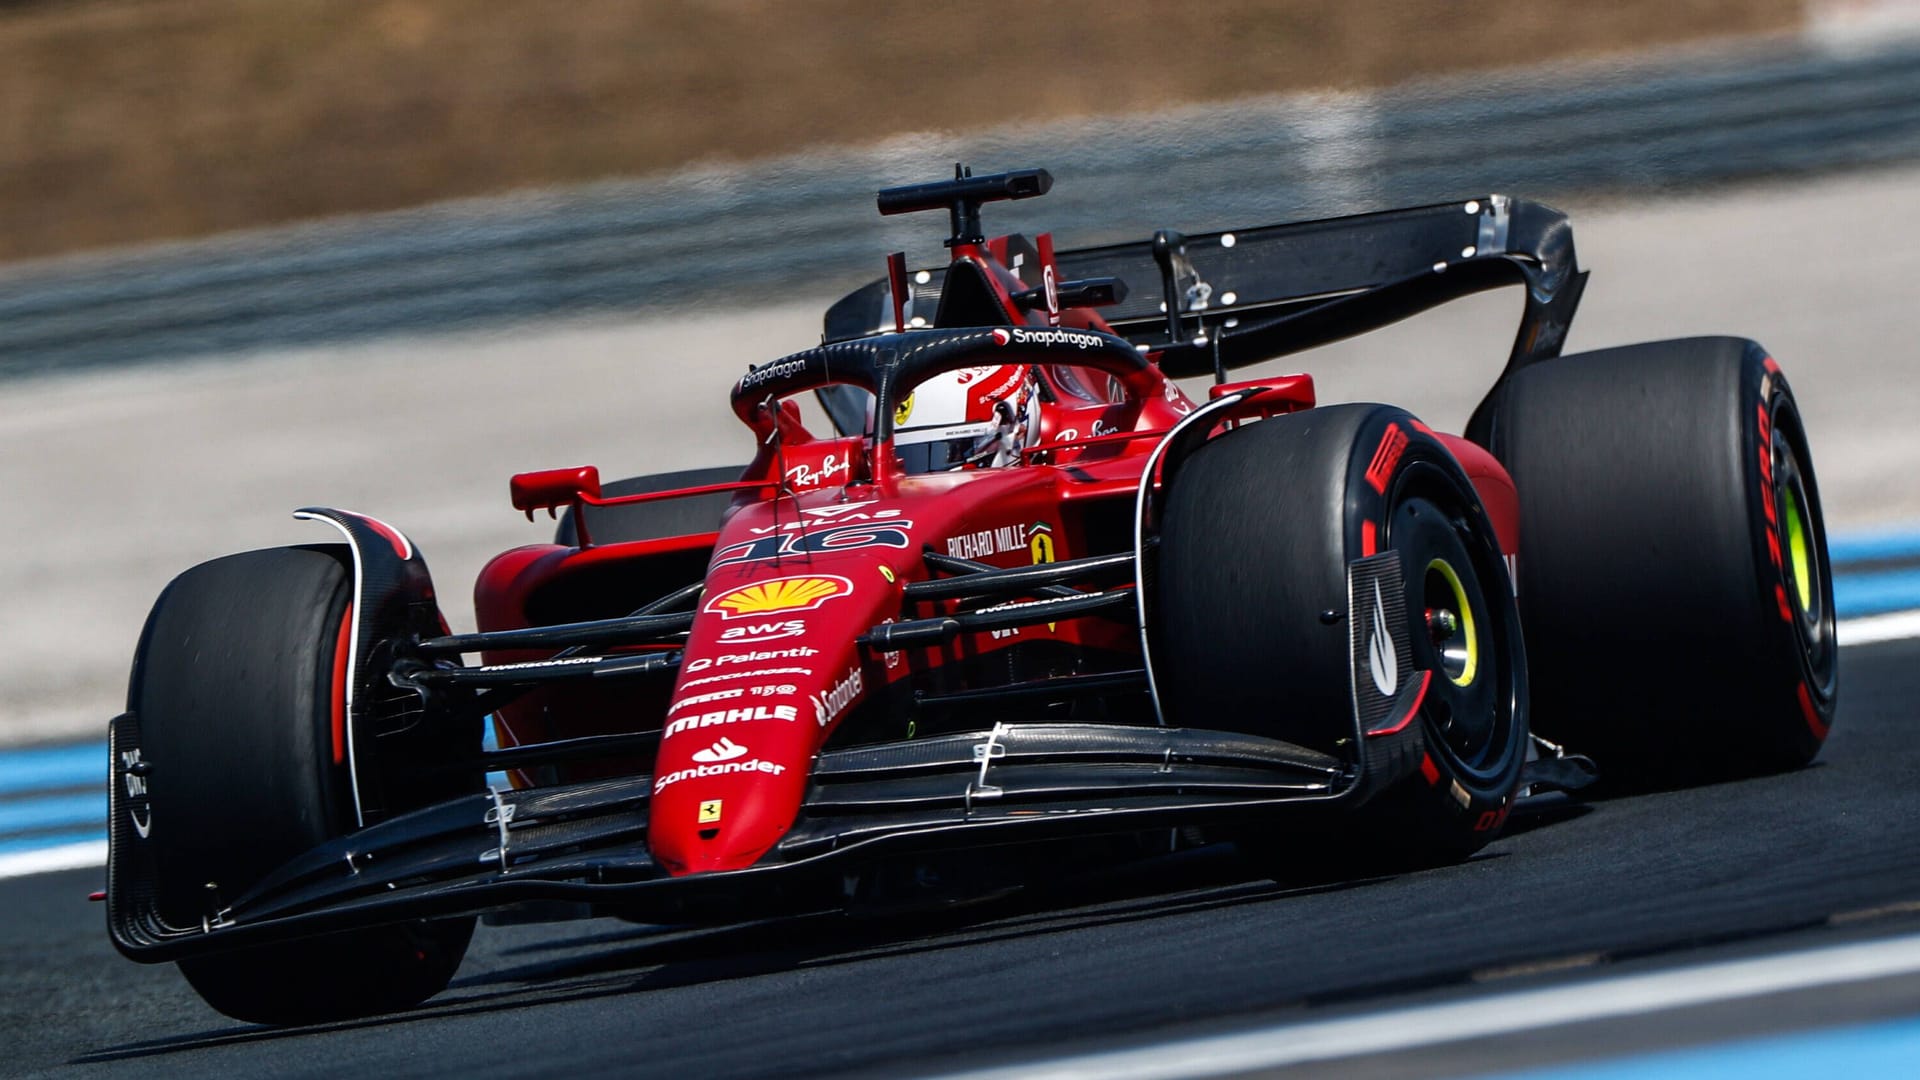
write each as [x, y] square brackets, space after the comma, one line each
[769, 668]
[732, 799]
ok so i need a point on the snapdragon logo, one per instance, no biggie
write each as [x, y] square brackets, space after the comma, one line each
[779, 369]
[1075, 338]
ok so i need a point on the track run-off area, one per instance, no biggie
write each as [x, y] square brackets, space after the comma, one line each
[1196, 965]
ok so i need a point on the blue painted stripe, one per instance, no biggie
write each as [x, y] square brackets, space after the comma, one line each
[53, 840]
[1855, 595]
[52, 767]
[52, 811]
[491, 741]
[1898, 543]
[1886, 1049]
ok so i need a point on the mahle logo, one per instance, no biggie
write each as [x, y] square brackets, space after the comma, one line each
[780, 594]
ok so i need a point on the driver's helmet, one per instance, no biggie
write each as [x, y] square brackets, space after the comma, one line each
[973, 417]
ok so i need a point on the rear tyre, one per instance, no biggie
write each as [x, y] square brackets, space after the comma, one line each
[1252, 630]
[653, 520]
[237, 681]
[1673, 566]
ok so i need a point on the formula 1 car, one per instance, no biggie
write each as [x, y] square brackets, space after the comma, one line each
[1027, 605]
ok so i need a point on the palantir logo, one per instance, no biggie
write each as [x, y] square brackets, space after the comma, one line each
[724, 750]
[1382, 661]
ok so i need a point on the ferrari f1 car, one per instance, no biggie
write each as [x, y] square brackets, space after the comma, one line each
[1028, 603]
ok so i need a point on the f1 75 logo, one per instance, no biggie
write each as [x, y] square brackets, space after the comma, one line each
[892, 533]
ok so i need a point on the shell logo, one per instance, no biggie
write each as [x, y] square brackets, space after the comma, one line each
[780, 594]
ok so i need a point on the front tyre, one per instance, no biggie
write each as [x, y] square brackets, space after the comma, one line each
[1253, 627]
[239, 687]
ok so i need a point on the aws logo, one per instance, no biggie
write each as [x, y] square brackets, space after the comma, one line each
[781, 594]
[764, 631]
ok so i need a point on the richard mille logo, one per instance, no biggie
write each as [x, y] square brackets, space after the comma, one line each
[1382, 661]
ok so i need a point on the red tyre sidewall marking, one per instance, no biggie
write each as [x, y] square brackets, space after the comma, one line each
[1813, 715]
[1393, 442]
[1765, 430]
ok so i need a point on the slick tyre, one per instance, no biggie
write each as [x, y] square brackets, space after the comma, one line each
[1253, 632]
[653, 520]
[1673, 566]
[237, 681]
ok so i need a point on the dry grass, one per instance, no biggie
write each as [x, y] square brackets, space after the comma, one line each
[130, 120]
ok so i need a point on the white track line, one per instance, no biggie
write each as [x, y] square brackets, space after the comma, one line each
[1872, 629]
[1480, 1016]
[91, 853]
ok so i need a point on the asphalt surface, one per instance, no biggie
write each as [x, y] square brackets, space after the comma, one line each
[1186, 945]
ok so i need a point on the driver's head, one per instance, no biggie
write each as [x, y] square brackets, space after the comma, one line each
[977, 416]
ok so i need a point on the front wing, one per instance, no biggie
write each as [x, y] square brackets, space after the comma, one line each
[586, 842]
[1009, 784]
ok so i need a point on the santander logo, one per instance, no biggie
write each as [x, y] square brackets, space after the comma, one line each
[724, 750]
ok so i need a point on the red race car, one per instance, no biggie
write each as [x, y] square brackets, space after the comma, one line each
[1027, 607]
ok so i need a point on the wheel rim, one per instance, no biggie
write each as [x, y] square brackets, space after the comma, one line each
[1450, 623]
[1797, 550]
[1448, 552]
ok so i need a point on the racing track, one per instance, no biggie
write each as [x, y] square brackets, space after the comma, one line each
[145, 471]
[1822, 855]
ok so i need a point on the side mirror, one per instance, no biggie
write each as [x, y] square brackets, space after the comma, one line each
[549, 489]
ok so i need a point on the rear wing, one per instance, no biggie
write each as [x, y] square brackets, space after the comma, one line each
[1213, 301]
